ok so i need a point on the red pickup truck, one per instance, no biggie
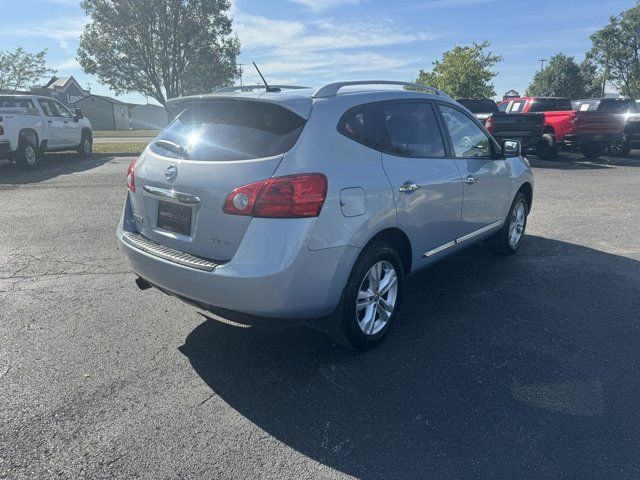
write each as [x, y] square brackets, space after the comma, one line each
[588, 131]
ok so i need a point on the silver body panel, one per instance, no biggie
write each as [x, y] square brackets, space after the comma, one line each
[299, 267]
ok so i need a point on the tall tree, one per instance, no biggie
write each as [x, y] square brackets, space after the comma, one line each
[616, 49]
[563, 77]
[464, 72]
[160, 48]
[20, 70]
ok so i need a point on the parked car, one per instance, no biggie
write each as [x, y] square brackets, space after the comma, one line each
[527, 128]
[631, 117]
[317, 205]
[31, 125]
[586, 131]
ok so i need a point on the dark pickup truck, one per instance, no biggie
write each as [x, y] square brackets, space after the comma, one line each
[527, 128]
[630, 113]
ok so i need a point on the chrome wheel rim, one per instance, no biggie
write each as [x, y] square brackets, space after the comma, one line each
[30, 155]
[87, 145]
[377, 298]
[516, 226]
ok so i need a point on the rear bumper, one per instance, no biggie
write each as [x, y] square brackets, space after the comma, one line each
[581, 139]
[290, 282]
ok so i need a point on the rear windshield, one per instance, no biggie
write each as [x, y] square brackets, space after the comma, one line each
[479, 105]
[224, 130]
[618, 106]
[550, 105]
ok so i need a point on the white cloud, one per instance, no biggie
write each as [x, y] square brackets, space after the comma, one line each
[65, 31]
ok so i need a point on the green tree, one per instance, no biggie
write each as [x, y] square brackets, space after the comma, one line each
[616, 50]
[160, 48]
[464, 72]
[563, 77]
[20, 70]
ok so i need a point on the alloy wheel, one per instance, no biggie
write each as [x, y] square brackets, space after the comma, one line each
[377, 298]
[516, 225]
[30, 155]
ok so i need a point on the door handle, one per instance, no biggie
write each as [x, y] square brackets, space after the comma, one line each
[409, 187]
[49, 121]
[470, 180]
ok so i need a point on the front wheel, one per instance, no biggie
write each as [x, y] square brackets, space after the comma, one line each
[86, 146]
[593, 150]
[619, 149]
[372, 297]
[507, 241]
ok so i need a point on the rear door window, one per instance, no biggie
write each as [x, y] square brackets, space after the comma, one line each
[411, 130]
[361, 124]
[469, 140]
[227, 130]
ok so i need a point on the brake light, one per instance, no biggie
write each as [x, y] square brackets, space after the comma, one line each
[1, 127]
[294, 196]
[573, 120]
[131, 180]
[489, 124]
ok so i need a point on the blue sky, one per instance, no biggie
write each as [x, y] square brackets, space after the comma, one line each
[312, 42]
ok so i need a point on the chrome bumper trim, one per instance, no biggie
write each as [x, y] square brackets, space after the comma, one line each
[185, 259]
[458, 241]
[171, 196]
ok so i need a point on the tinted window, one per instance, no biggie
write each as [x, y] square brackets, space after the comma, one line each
[17, 103]
[503, 106]
[411, 130]
[469, 140]
[361, 125]
[617, 106]
[551, 105]
[483, 105]
[225, 130]
[48, 108]
[61, 110]
[517, 106]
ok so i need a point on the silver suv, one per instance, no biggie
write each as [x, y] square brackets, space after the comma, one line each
[317, 205]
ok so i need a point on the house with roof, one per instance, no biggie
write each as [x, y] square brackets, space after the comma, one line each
[105, 113]
[64, 89]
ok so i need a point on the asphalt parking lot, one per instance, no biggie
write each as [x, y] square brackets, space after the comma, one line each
[509, 368]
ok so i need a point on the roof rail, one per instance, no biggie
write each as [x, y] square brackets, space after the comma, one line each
[251, 88]
[332, 89]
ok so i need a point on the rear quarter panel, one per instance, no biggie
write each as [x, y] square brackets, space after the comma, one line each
[347, 165]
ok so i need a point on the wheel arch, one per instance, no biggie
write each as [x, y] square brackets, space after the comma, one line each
[399, 240]
[29, 134]
[527, 189]
[86, 131]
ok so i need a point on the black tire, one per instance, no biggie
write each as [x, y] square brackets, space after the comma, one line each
[351, 334]
[548, 148]
[619, 149]
[28, 155]
[85, 149]
[501, 242]
[593, 150]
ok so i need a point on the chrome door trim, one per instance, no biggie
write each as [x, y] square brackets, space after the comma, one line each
[171, 196]
[471, 235]
[460, 240]
[441, 248]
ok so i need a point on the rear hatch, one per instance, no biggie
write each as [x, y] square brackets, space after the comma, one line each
[214, 146]
[518, 124]
[589, 122]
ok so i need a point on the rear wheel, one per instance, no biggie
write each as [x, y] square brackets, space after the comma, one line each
[27, 155]
[372, 297]
[619, 149]
[86, 146]
[548, 148]
[507, 241]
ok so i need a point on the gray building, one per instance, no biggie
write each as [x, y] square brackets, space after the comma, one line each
[105, 113]
[147, 117]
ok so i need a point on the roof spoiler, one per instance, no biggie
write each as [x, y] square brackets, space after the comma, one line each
[332, 89]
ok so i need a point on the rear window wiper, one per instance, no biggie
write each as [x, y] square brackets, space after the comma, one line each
[173, 147]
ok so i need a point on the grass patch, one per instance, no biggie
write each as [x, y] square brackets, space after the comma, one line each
[119, 148]
[125, 133]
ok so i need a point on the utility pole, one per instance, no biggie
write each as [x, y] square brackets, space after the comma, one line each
[542, 60]
[240, 65]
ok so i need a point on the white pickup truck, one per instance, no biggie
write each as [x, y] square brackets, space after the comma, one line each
[31, 125]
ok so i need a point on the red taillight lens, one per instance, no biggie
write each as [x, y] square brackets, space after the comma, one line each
[293, 196]
[489, 124]
[1, 127]
[131, 180]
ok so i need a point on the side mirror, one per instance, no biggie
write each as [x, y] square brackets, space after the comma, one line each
[79, 114]
[511, 148]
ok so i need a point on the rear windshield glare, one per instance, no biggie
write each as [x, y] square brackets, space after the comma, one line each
[550, 105]
[479, 106]
[224, 130]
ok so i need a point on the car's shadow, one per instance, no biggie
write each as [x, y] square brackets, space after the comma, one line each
[51, 166]
[576, 161]
[520, 367]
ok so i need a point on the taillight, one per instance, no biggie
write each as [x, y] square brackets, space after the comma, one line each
[294, 196]
[131, 180]
[489, 124]
[573, 120]
[1, 127]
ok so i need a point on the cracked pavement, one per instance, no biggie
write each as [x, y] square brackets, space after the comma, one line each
[522, 367]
